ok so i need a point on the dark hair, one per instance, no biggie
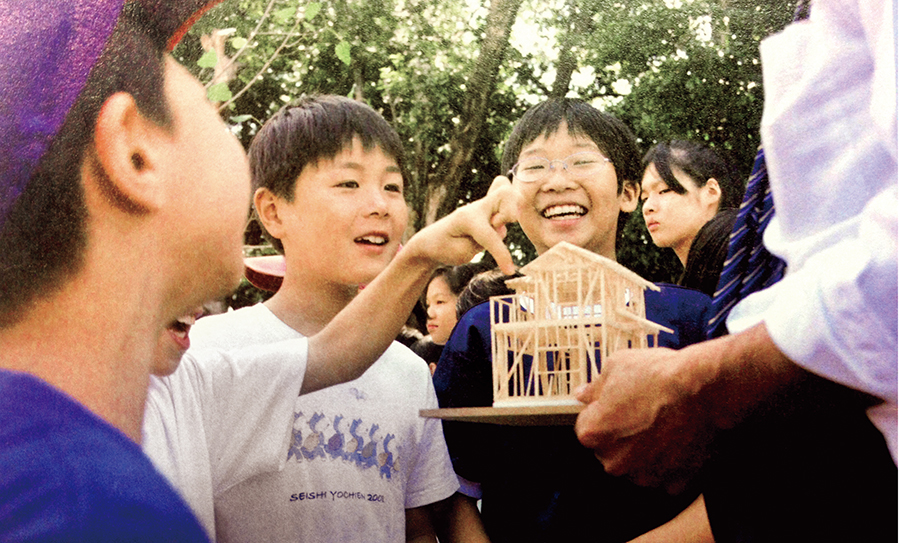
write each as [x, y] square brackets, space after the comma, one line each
[700, 162]
[43, 240]
[427, 349]
[481, 287]
[314, 128]
[614, 139]
[456, 277]
[708, 252]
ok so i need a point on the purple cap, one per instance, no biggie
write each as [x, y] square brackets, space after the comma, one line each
[49, 48]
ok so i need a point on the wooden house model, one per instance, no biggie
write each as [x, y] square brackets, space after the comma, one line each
[570, 310]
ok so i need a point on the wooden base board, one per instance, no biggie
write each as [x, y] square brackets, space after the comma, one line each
[532, 415]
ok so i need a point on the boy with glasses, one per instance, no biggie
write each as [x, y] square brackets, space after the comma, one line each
[578, 171]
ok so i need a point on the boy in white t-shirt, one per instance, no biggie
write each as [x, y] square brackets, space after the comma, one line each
[224, 415]
[360, 464]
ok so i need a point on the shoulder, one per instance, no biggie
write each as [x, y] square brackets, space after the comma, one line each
[463, 374]
[246, 326]
[478, 315]
[69, 475]
[399, 357]
[676, 299]
[685, 311]
[471, 338]
[475, 321]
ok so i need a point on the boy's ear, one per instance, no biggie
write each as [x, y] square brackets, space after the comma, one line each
[125, 149]
[267, 209]
[628, 200]
[711, 192]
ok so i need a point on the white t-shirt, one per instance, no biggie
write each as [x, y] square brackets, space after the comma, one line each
[358, 456]
[829, 129]
[222, 417]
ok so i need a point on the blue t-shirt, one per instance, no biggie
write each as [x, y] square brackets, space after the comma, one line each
[540, 484]
[67, 475]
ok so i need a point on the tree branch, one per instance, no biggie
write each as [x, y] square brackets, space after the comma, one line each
[250, 38]
[261, 70]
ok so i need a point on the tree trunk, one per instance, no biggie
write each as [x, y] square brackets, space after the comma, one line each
[443, 186]
[580, 24]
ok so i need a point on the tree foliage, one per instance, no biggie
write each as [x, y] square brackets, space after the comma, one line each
[453, 76]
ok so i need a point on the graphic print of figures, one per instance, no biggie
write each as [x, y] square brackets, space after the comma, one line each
[312, 445]
[355, 445]
[386, 459]
[367, 456]
[296, 437]
[335, 445]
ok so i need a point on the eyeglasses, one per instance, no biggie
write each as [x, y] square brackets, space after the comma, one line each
[583, 164]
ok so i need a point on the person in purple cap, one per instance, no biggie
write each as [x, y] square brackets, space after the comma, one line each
[123, 205]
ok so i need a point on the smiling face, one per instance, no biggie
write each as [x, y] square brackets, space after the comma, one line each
[674, 219]
[440, 304]
[346, 219]
[583, 211]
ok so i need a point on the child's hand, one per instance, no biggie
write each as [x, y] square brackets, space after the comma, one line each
[456, 238]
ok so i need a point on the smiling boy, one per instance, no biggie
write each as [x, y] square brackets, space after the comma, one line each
[577, 170]
[123, 199]
[359, 464]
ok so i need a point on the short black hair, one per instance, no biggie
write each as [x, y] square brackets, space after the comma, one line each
[315, 127]
[700, 162]
[44, 238]
[482, 287]
[614, 139]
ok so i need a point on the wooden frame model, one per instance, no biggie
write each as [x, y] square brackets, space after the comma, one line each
[571, 310]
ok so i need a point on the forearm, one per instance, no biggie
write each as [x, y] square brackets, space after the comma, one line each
[690, 526]
[735, 374]
[363, 330]
[357, 336]
[419, 527]
[458, 521]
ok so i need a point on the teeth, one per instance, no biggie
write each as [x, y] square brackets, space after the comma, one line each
[564, 210]
[187, 319]
[375, 240]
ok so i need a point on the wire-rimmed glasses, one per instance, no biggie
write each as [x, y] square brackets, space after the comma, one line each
[584, 164]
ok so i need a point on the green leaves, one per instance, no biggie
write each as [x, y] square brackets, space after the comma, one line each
[285, 14]
[238, 42]
[208, 60]
[218, 93]
[342, 51]
[312, 9]
[413, 61]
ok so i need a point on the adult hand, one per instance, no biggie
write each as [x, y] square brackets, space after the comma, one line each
[644, 418]
[653, 413]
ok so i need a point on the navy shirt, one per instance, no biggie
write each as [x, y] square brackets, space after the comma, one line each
[67, 475]
[539, 483]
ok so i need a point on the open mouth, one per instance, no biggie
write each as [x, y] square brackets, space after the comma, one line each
[180, 327]
[564, 212]
[372, 239]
